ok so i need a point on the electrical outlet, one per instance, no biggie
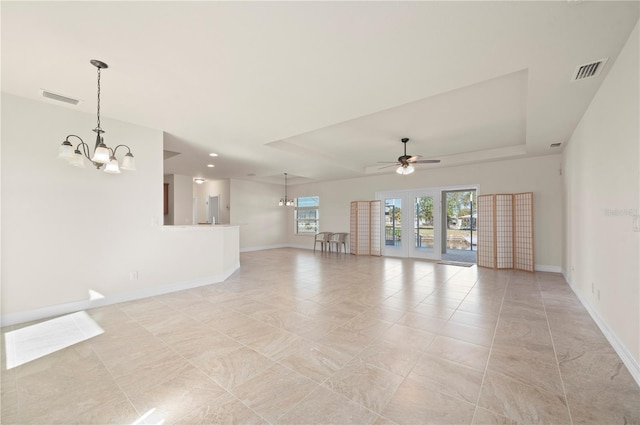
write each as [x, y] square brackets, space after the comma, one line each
[133, 275]
[592, 287]
[598, 295]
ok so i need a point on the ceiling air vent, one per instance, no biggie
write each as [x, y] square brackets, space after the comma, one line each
[555, 145]
[59, 97]
[588, 70]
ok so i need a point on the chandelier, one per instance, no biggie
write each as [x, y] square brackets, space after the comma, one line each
[102, 154]
[286, 201]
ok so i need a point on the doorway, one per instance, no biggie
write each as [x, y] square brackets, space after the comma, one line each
[460, 238]
[195, 211]
[411, 225]
[213, 209]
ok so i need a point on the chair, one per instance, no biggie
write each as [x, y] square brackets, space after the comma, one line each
[339, 240]
[323, 239]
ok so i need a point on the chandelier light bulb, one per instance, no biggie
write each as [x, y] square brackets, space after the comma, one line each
[101, 155]
[65, 151]
[77, 160]
[128, 162]
[112, 166]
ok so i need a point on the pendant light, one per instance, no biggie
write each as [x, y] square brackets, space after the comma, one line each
[286, 202]
[102, 154]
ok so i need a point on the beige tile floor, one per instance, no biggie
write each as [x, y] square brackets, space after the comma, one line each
[301, 338]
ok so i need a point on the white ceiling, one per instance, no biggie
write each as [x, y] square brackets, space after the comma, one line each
[321, 90]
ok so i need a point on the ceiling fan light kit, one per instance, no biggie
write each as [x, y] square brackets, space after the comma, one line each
[405, 169]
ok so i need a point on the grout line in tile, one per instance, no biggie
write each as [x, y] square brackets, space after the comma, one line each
[486, 366]
[115, 381]
[187, 361]
[555, 353]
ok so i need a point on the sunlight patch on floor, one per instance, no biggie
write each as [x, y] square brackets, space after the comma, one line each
[35, 341]
[142, 419]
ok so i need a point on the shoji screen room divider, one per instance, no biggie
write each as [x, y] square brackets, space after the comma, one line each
[505, 231]
[365, 228]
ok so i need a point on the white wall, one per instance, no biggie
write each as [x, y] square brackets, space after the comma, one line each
[182, 199]
[66, 230]
[213, 187]
[254, 206]
[540, 175]
[602, 185]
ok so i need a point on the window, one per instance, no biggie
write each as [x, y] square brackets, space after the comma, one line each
[307, 214]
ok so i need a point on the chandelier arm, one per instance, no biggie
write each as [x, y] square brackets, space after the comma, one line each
[73, 135]
[85, 147]
[85, 150]
[124, 146]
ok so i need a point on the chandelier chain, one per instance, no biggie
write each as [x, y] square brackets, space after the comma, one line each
[99, 99]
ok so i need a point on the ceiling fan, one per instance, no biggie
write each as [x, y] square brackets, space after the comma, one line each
[405, 162]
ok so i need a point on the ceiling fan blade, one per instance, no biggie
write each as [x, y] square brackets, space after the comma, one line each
[406, 160]
[387, 162]
[395, 164]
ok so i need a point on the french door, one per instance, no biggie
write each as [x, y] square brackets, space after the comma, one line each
[412, 224]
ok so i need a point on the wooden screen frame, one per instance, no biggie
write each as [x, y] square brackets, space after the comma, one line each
[516, 214]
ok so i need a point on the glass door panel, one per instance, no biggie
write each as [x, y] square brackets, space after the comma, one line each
[425, 226]
[411, 223]
[393, 226]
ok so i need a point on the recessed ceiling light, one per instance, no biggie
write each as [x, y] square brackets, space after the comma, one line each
[213, 154]
[198, 180]
[210, 165]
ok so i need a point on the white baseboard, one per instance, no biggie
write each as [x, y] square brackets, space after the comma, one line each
[632, 364]
[310, 247]
[552, 269]
[263, 247]
[295, 246]
[289, 245]
[60, 309]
